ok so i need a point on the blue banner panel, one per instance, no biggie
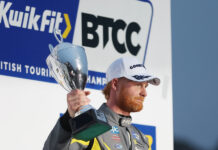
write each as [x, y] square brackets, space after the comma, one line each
[96, 80]
[150, 133]
[26, 29]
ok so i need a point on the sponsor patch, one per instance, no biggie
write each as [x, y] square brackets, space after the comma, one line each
[115, 130]
[135, 136]
[136, 148]
[137, 65]
[118, 146]
[140, 77]
[116, 137]
[150, 133]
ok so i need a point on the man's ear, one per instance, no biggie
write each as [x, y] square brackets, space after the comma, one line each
[114, 84]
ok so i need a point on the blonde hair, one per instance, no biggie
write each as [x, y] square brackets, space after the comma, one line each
[106, 90]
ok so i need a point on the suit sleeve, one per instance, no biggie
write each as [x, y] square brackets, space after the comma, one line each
[60, 136]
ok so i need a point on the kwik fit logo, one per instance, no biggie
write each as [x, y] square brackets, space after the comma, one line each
[30, 19]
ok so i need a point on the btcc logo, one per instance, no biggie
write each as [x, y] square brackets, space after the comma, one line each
[116, 26]
[28, 19]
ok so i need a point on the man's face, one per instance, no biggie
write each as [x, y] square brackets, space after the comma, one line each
[131, 94]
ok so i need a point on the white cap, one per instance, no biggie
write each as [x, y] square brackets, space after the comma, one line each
[130, 68]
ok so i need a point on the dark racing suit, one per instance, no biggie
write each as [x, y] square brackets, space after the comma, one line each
[122, 136]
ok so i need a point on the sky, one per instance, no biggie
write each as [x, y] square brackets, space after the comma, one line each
[195, 71]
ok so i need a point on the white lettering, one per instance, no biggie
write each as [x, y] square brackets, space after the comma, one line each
[88, 80]
[26, 15]
[51, 27]
[103, 81]
[32, 70]
[5, 63]
[13, 18]
[38, 70]
[45, 22]
[59, 20]
[27, 67]
[33, 19]
[43, 72]
[1, 65]
[19, 67]
[8, 66]
[98, 80]
[3, 11]
[29, 18]
[93, 80]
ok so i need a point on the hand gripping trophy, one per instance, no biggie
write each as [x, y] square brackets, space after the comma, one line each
[68, 65]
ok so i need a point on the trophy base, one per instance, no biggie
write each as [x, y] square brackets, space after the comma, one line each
[89, 125]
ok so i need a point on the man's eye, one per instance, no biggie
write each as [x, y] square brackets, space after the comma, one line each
[138, 85]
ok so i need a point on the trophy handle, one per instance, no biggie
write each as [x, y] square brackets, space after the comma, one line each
[52, 51]
[57, 73]
[58, 33]
[51, 48]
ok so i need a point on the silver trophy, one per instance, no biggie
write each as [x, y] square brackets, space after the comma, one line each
[68, 65]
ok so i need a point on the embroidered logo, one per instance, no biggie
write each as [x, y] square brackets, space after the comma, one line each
[118, 146]
[125, 121]
[136, 65]
[135, 136]
[115, 130]
[116, 137]
[136, 148]
[140, 77]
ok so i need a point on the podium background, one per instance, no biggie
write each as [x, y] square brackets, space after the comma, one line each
[31, 102]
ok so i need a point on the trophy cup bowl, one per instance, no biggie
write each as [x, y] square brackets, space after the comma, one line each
[68, 65]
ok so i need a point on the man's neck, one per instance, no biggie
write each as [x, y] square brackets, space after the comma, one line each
[116, 109]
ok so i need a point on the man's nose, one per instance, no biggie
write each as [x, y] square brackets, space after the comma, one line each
[143, 92]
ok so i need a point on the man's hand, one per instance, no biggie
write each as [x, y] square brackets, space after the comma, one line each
[76, 99]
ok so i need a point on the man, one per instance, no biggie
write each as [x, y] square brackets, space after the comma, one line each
[125, 91]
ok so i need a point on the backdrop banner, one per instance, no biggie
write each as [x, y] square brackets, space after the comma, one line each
[30, 102]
